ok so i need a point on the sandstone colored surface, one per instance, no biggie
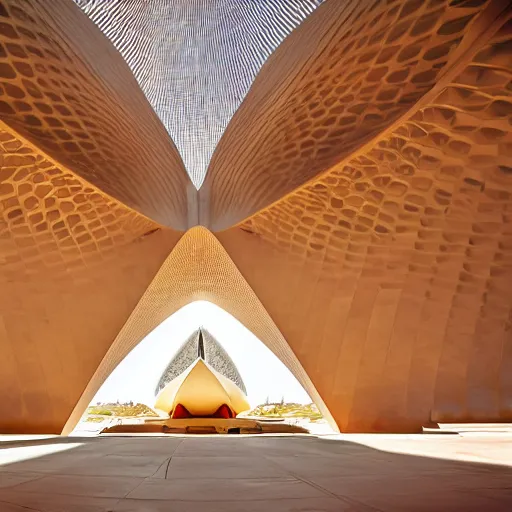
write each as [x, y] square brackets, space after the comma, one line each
[356, 215]
[202, 392]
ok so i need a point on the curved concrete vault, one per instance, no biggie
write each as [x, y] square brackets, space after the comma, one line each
[196, 69]
[356, 215]
[198, 268]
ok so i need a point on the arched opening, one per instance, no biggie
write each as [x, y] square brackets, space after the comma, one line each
[272, 390]
[211, 275]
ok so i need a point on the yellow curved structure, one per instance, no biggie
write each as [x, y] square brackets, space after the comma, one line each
[201, 390]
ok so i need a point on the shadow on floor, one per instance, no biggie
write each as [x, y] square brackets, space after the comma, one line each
[261, 473]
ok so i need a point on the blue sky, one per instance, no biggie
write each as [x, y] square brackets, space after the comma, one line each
[264, 375]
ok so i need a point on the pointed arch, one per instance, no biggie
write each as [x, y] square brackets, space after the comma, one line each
[198, 268]
[201, 343]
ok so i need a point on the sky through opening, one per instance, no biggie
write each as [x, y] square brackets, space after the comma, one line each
[265, 376]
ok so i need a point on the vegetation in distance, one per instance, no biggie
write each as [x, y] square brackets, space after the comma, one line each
[286, 410]
[94, 412]
[97, 413]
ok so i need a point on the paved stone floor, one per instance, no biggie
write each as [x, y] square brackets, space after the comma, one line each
[439, 472]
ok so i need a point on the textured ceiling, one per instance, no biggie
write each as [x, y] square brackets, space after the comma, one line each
[80, 105]
[196, 59]
[361, 200]
[347, 74]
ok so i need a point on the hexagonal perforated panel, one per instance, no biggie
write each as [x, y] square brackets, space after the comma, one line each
[338, 81]
[81, 105]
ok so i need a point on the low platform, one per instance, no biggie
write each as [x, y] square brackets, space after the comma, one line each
[204, 426]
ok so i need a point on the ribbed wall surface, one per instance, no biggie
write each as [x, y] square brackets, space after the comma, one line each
[390, 275]
[196, 59]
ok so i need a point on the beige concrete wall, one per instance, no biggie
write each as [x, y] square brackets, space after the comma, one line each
[370, 177]
[389, 275]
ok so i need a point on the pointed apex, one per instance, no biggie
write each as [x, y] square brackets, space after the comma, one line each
[200, 345]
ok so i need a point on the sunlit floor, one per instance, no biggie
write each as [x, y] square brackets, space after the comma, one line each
[439, 472]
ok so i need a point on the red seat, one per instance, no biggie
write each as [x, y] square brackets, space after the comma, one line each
[223, 411]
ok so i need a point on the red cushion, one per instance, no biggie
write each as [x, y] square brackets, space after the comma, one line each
[223, 412]
[180, 412]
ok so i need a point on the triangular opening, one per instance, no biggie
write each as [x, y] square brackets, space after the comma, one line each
[272, 390]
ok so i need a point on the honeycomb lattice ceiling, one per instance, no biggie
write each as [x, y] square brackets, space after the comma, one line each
[196, 59]
[356, 215]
